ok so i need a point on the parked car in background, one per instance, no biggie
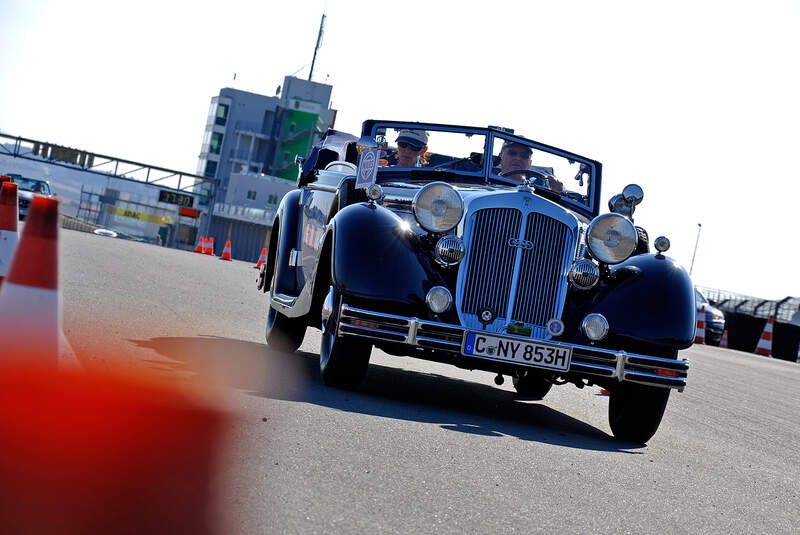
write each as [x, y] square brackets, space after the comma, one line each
[714, 320]
[27, 188]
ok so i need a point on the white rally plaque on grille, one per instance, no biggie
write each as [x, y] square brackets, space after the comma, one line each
[516, 350]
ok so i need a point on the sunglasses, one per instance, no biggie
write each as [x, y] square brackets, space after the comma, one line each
[518, 153]
[404, 145]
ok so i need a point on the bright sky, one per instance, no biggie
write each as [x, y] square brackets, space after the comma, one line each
[697, 102]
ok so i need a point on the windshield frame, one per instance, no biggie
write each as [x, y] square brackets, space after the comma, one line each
[372, 128]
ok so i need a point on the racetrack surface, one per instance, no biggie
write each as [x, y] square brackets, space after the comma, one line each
[425, 447]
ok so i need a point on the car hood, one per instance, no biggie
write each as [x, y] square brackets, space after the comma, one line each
[476, 194]
[26, 194]
[714, 311]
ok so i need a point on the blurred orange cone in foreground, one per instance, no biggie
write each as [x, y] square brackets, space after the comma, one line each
[9, 213]
[724, 341]
[103, 452]
[201, 243]
[30, 303]
[764, 346]
[209, 246]
[262, 259]
[226, 252]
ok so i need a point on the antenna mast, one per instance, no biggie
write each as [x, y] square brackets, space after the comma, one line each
[316, 48]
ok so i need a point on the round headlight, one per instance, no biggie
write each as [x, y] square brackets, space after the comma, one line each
[450, 250]
[595, 327]
[438, 207]
[611, 238]
[438, 299]
[584, 274]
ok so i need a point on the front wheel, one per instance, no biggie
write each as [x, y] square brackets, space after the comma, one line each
[635, 411]
[343, 361]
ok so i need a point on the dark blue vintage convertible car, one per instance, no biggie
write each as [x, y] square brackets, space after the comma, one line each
[485, 250]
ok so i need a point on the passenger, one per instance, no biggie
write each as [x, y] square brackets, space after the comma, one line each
[516, 157]
[411, 147]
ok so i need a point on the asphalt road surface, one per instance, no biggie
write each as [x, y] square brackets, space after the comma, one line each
[424, 447]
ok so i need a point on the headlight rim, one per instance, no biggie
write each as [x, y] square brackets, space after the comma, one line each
[624, 221]
[415, 204]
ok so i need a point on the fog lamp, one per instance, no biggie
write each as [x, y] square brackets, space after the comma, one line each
[661, 244]
[584, 274]
[374, 192]
[450, 250]
[595, 327]
[438, 299]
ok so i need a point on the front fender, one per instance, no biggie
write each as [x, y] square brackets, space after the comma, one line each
[648, 298]
[378, 258]
[282, 243]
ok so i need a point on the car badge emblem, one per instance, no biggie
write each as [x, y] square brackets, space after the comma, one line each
[486, 316]
[522, 244]
[555, 327]
[526, 203]
[520, 328]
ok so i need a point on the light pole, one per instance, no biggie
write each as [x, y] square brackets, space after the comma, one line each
[699, 226]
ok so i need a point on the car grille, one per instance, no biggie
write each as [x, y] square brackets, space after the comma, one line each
[24, 203]
[543, 256]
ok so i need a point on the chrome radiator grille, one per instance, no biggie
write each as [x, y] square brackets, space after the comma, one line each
[491, 265]
[540, 287]
[542, 270]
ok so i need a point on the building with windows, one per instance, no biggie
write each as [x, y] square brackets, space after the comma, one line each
[249, 147]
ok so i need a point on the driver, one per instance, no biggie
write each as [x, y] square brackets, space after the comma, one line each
[516, 156]
[411, 147]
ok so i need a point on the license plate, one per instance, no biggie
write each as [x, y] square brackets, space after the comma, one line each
[517, 350]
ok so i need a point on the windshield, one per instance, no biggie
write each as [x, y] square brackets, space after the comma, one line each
[520, 160]
[453, 153]
[30, 184]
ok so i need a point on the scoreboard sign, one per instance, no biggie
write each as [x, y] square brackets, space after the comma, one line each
[171, 197]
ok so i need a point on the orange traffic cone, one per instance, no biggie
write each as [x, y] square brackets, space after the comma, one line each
[226, 252]
[724, 341]
[764, 346]
[201, 244]
[30, 303]
[209, 249]
[9, 213]
[261, 259]
[700, 333]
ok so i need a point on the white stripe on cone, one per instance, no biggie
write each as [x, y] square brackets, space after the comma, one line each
[764, 346]
[8, 244]
[700, 333]
[30, 323]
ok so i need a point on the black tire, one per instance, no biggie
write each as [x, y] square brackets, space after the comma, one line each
[343, 361]
[635, 411]
[532, 386]
[283, 333]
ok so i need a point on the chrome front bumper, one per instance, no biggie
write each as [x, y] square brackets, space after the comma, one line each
[586, 360]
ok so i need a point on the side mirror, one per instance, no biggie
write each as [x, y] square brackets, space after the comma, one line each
[633, 194]
[625, 203]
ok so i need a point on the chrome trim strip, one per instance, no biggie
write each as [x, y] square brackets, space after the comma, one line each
[281, 301]
[322, 187]
[397, 200]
